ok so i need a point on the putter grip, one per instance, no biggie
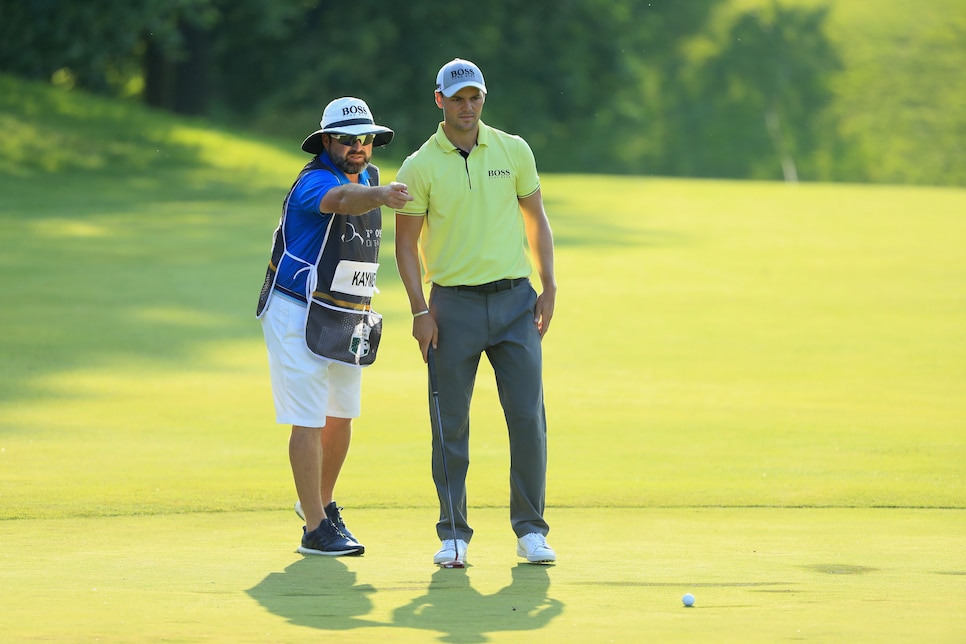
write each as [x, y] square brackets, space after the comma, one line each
[431, 361]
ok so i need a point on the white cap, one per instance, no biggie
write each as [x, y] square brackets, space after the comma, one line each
[457, 74]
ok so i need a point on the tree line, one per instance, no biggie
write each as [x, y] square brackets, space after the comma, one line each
[609, 86]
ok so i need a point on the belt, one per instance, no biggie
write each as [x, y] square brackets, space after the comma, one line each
[491, 287]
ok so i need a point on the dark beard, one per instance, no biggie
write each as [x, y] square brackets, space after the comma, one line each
[350, 167]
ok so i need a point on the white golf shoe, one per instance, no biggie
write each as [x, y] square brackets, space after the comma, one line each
[448, 553]
[534, 547]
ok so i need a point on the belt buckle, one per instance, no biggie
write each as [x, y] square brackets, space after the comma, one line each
[513, 282]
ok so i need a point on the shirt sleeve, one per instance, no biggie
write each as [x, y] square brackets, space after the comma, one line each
[528, 181]
[311, 188]
[407, 174]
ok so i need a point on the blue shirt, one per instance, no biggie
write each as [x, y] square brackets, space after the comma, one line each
[306, 224]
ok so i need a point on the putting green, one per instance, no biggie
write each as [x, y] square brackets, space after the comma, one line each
[755, 394]
[856, 575]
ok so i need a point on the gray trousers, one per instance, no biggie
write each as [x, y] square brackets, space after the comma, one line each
[500, 325]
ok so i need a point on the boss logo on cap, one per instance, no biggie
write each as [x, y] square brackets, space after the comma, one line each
[459, 74]
[354, 109]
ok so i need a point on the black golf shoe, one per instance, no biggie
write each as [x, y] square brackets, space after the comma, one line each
[328, 540]
[334, 513]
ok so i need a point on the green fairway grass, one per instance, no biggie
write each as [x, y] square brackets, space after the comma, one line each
[763, 575]
[756, 393]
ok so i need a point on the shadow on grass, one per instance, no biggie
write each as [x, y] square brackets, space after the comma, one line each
[143, 270]
[131, 237]
[322, 593]
[318, 592]
[575, 232]
[840, 569]
[574, 226]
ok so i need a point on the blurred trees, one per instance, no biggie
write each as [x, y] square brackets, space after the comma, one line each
[567, 74]
[593, 85]
[762, 100]
[37, 39]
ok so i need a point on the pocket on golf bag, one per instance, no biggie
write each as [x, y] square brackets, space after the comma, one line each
[341, 334]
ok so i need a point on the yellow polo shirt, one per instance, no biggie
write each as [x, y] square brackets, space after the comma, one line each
[473, 230]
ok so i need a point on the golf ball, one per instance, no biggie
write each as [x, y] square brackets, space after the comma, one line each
[688, 599]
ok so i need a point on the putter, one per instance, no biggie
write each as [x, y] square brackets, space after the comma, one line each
[435, 416]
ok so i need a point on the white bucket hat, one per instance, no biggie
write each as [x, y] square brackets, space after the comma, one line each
[347, 115]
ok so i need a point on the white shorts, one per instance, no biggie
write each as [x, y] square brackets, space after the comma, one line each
[306, 387]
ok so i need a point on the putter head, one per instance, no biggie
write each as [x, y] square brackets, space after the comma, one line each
[456, 563]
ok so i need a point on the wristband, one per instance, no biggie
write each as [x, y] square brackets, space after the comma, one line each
[416, 315]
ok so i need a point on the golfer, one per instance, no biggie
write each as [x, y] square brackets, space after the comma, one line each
[475, 209]
[315, 309]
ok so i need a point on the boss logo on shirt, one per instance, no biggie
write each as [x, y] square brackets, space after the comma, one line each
[499, 174]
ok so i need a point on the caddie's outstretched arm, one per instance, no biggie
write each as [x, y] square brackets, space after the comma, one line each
[355, 199]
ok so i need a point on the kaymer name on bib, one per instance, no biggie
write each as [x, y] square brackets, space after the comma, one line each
[355, 278]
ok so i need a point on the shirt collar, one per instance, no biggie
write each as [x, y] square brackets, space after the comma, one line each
[482, 137]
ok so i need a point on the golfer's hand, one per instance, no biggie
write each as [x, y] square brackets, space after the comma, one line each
[396, 195]
[426, 333]
[543, 311]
